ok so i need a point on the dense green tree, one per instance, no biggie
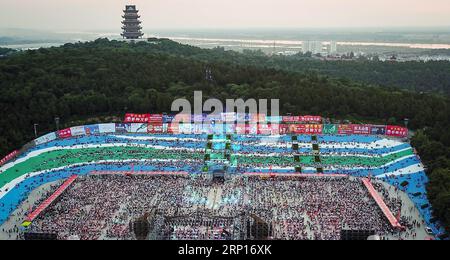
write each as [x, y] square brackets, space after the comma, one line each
[6, 51]
[439, 194]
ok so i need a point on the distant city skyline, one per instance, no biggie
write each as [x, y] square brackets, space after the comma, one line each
[94, 15]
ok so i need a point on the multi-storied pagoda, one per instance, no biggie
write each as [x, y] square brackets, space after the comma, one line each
[131, 23]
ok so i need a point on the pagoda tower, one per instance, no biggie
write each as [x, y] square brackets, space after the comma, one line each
[131, 23]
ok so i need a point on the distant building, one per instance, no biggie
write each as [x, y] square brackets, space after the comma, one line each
[333, 47]
[131, 23]
[315, 47]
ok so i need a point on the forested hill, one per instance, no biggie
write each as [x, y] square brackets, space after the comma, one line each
[77, 82]
[432, 76]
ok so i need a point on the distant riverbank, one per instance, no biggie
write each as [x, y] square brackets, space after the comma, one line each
[269, 43]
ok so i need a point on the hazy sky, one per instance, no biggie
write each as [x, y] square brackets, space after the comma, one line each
[105, 14]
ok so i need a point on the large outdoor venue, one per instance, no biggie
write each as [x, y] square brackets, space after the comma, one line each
[278, 178]
[224, 128]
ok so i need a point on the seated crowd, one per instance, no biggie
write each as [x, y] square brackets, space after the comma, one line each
[102, 207]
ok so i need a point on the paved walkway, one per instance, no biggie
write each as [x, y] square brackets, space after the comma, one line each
[18, 216]
[408, 210]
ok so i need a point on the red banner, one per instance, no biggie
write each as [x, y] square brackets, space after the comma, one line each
[284, 129]
[8, 157]
[155, 128]
[65, 133]
[345, 129]
[155, 118]
[297, 129]
[396, 131]
[137, 118]
[311, 119]
[307, 129]
[313, 129]
[291, 119]
[302, 119]
[361, 129]
[264, 129]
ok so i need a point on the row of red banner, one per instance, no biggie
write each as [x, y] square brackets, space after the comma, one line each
[273, 129]
[223, 117]
[8, 157]
[301, 119]
[214, 128]
[352, 129]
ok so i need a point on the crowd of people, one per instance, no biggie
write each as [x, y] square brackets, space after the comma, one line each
[199, 227]
[356, 155]
[102, 207]
[315, 208]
